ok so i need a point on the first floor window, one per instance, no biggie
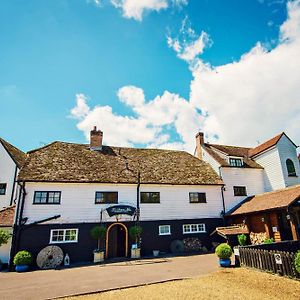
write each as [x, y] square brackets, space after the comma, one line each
[193, 228]
[150, 197]
[106, 197]
[239, 191]
[290, 167]
[64, 236]
[197, 198]
[46, 198]
[164, 230]
[2, 188]
[236, 162]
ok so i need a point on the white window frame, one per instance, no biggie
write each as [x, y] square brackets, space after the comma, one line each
[164, 233]
[64, 236]
[236, 158]
[190, 228]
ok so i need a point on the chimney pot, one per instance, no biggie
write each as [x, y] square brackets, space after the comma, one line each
[96, 137]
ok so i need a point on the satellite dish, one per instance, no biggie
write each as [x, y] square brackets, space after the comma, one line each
[50, 257]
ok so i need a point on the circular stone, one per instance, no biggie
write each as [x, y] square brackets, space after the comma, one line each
[50, 257]
[177, 246]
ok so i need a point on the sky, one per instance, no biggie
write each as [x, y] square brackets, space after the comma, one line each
[149, 73]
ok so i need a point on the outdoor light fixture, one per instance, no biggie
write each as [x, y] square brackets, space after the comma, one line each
[288, 217]
[263, 219]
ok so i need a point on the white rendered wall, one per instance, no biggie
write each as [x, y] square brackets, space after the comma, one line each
[78, 202]
[7, 172]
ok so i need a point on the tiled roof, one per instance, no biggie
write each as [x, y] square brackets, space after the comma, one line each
[7, 216]
[268, 201]
[67, 162]
[231, 151]
[16, 154]
[232, 230]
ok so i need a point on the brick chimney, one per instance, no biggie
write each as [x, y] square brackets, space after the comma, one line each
[199, 144]
[96, 139]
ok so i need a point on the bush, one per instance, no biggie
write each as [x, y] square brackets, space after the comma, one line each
[98, 232]
[223, 251]
[269, 241]
[135, 232]
[23, 258]
[297, 262]
[242, 238]
[4, 237]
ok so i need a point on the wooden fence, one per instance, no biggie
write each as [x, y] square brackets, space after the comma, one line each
[278, 262]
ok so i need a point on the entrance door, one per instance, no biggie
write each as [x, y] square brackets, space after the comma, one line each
[116, 241]
[285, 227]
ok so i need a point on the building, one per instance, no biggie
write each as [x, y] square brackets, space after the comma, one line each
[262, 185]
[69, 188]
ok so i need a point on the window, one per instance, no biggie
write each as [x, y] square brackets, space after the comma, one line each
[106, 197]
[236, 162]
[64, 236]
[150, 197]
[239, 191]
[2, 188]
[193, 228]
[164, 230]
[46, 198]
[197, 197]
[290, 167]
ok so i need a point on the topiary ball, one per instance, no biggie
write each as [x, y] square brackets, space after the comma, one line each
[23, 258]
[223, 251]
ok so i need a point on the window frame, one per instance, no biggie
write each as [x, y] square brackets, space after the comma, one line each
[238, 187]
[4, 188]
[64, 236]
[199, 200]
[291, 164]
[107, 192]
[149, 195]
[190, 228]
[235, 159]
[47, 198]
[162, 233]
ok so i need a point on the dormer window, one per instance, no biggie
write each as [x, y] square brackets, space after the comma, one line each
[290, 167]
[236, 162]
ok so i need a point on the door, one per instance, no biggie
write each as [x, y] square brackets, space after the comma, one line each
[117, 241]
[284, 226]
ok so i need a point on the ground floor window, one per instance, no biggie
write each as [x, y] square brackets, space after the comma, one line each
[64, 235]
[164, 230]
[2, 188]
[193, 228]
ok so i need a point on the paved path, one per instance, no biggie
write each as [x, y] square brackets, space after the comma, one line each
[57, 283]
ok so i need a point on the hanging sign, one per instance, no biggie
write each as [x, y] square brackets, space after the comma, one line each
[121, 210]
[278, 259]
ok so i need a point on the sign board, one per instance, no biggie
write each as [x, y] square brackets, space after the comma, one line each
[121, 210]
[236, 251]
[278, 259]
[274, 229]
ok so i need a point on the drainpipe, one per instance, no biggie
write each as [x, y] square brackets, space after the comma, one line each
[17, 225]
[13, 188]
[223, 199]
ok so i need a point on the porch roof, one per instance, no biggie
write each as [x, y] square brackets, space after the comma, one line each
[7, 216]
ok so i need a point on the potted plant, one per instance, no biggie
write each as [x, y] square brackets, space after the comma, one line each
[135, 233]
[224, 253]
[242, 239]
[99, 233]
[22, 261]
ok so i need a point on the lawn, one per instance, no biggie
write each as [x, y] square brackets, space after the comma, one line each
[239, 283]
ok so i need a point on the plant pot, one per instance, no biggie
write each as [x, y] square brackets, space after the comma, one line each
[155, 253]
[136, 253]
[22, 268]
[98, 256]
[225, 263]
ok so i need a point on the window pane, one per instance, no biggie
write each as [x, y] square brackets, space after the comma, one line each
[150, 197]
[106, 197]
[290, 167]
[193, 197]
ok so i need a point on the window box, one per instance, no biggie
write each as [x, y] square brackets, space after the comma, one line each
[52, 197]
[193, 228]
[64, 236]
[106, 198]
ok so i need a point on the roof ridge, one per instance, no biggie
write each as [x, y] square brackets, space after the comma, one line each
[279, 190]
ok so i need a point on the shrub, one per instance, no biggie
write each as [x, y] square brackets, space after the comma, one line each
[269, 241]
[135, 232]
[23, 258]
[4, 237]
[297, 261]
[223, 251]
[242, 238]
[98, 233]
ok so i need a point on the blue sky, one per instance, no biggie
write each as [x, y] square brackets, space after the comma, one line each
[52, 51]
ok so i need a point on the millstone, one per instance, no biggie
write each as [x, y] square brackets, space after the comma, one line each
[50, 257]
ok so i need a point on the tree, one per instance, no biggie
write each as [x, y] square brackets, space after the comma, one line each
[4, 237]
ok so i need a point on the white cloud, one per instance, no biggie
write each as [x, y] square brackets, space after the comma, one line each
[258, 96]
[135, 8]
[150, 124]
[96, 2]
